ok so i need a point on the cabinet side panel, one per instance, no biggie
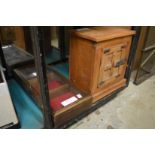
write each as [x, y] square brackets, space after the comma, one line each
[81, 62]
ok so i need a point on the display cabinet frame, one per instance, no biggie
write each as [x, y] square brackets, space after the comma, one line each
[38, 41]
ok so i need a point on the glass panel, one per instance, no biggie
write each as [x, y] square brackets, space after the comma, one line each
[54, 36]
[63, 96]
[147, 66]
[151, 37]
[7, 34]
[21, 68]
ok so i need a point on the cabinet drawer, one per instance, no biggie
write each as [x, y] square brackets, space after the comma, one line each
[67, 103]
[72, 111]
[115, 45]
[120, 47]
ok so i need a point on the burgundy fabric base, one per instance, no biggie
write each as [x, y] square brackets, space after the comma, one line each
[51, 85]
[56, 102]
[54, 84]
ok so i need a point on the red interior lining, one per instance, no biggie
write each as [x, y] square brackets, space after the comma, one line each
[56, 102]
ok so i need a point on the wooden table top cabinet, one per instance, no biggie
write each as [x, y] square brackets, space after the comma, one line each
[98, 59]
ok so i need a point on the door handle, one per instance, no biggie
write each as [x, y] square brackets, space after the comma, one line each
[106, 50]
[119, 63]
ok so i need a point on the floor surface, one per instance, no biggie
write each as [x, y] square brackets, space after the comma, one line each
[134, 107]
[29, 115]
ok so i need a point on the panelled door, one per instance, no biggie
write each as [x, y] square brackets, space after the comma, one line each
[113, 63]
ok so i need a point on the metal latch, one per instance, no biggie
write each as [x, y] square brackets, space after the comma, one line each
[100, 84]
[119, 63]
[106, 50]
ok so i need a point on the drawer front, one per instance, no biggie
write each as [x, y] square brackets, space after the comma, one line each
[72, 111]
[113, 62]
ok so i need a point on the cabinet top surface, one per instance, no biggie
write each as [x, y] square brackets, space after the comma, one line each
[98, 34]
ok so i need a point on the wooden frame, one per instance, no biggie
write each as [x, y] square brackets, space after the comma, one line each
[89, 50]
[97, 104]
[140, 52]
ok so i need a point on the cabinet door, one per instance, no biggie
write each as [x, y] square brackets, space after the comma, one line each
[113, 62]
